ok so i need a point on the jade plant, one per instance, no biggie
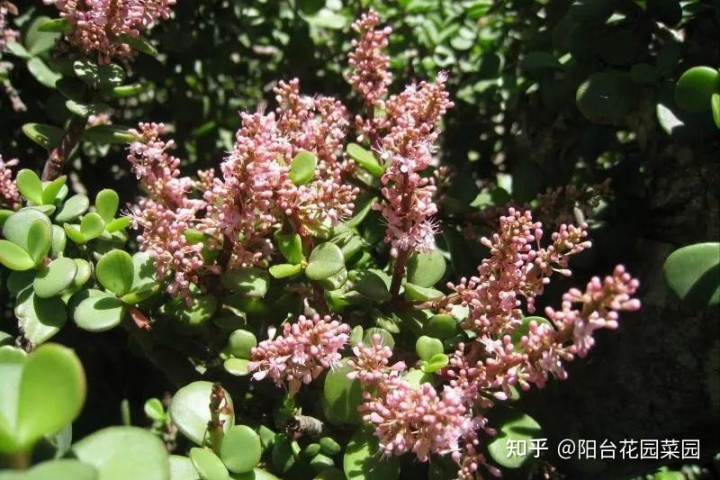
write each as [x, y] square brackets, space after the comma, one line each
[302, 296]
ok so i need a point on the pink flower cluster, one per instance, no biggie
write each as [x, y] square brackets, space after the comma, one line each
[167, 213]
[98, 26]
[518, 267]
[416, 418]
[7, 34]
[407, 148]
[369, 67]
[301, 353]
[256, 193]
[9, 194]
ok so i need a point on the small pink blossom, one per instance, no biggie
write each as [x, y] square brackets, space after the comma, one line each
[9, 194]
[98, 25]
[301, 353]
[369, 64]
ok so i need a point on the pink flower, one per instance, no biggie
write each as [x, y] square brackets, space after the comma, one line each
[9, 194]
[412, 125]
[98, 25]
[301, 353]
[518, 268]
[256, 195]
[370, 66]
[168, 213]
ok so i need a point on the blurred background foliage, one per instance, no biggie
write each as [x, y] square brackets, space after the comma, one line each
[547, 94]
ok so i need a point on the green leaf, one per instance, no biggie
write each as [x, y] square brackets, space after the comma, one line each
[41, 394]
[693, 273]
[92, 226]
[73, 232]
[519, 429]
[236, 366]
[208, 465]
[417, 293]
[181, 468]
[696, 87]
[441, 326]
[190, 411]
[37, 41]
[125, 91]
[435, 363]
[302, 168]
[108, 134]
[285, 270]
[47, 136]
[241, 449]
[84, 270]
[14, 257]
[535, 61]
[72, 208]
[365, 159]
[241, 343]
[138, 43]
[154, 410]
[40, 318]
[123, 453]
[107, 202]
[290, 245]
[51, 191]
[715, 105]
[115, 272]
[30, 186]
[606, 98]
[363, 459]
[15, 48]
[251, 282]
[56, 25]
[325, 261]
[86, 109]
[426, 269]
[426, 347]
[141, 293]
[18, 226]
[55, 277]
[42, 72]
[63, 469]
[372, 286]
[342, 396]
[97, 311]
[39, 240]
[118, 224]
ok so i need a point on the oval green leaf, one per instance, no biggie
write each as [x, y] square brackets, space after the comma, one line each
[241, 449]
[115, 271]
[693, 273]
[325, 261]
[190, 411]
[55, 277]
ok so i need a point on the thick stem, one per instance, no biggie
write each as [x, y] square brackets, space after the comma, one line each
[398, 273]
[19, 460]
[58, 156]
[218, 405]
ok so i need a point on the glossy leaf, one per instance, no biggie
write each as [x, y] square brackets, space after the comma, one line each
[290, 245]
[40, 318]
[252, 282]
[30, 186]
[14, 257]
[97, 311]
[365, 159]
[241, 449]
[426, 269]
[208, 465]
[47, 136]
[302, 168]
[520, 428]
[363, 460]
[108, 134]
[122, 453]
[72, 208]
[325, 261]
[52, 190]
[107, 202]
[42, 73]
[190, 411]
[695, 88]
[241, 343]
[115, 272]
[92, 226]
[693, 273]
[55, 277]
[342, 397]
[41, 393]
[284, 270]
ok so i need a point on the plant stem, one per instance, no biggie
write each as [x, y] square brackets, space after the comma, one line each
[19, 460]
[58, 156]
[398, 273]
